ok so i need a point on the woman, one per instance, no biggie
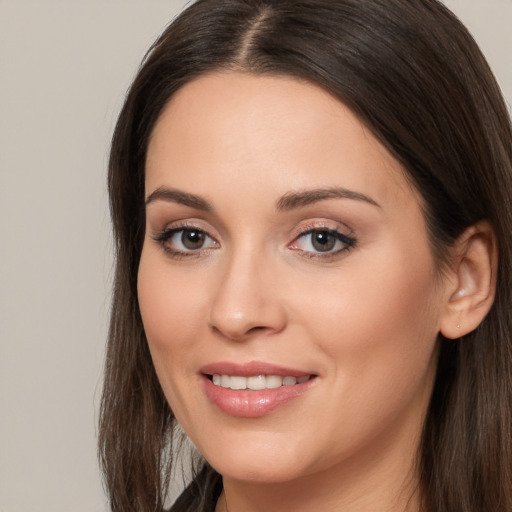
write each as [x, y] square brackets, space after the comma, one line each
[308, 200]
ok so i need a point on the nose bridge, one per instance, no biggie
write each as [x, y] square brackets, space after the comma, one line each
[245, 300]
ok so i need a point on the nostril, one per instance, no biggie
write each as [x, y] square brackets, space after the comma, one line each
[240, 333]
[257, 328]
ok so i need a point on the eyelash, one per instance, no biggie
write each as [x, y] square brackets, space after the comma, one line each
[167, 234]
[164, 236]
[348, 242]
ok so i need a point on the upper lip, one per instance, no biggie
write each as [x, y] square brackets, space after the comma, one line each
[250, 369]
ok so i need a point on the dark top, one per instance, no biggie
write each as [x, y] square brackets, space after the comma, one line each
[202, 493]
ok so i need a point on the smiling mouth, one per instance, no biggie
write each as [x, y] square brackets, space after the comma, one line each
[256, 382]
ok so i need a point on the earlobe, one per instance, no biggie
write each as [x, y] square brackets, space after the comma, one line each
[475, 262]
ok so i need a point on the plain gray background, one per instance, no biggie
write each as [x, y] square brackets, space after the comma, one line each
[64, 68]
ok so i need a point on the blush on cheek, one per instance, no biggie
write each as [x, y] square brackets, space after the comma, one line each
[171, 310]
[157, 301]
[389, 322]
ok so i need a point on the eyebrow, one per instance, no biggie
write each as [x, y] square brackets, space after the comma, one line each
[293, 200]
[288, 201]
[177, 196]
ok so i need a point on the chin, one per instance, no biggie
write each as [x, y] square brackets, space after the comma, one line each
[256, 473]
[257, 460]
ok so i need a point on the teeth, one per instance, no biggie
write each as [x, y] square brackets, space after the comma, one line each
[274, 381]
[238, 382]
[257, 382]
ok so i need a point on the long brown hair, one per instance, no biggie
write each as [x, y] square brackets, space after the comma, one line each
[416, 78]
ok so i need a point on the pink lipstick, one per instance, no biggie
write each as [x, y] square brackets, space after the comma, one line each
[253, 389]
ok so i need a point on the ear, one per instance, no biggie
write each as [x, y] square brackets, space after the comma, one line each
[471, 290]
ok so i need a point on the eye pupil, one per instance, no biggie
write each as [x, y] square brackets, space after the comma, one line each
[323, 241]
[192, 239]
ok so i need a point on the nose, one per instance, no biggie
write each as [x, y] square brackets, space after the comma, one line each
[246, 301]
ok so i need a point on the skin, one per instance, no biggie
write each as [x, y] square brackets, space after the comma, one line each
[364, 320]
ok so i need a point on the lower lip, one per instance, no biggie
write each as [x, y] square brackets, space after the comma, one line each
[248, 403]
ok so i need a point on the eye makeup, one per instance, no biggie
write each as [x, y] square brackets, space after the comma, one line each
[313, 241]
[185, 241]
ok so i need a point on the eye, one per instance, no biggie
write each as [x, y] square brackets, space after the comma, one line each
[322, 241]
[190, 239]
[185, 241]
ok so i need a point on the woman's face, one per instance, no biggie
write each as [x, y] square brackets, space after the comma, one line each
[286, 285]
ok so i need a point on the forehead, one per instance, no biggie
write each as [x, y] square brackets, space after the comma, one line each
[249, 131]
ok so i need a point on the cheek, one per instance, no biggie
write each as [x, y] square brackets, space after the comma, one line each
[377, 335]
[168, 300]
[378, 322]
[171, 306]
